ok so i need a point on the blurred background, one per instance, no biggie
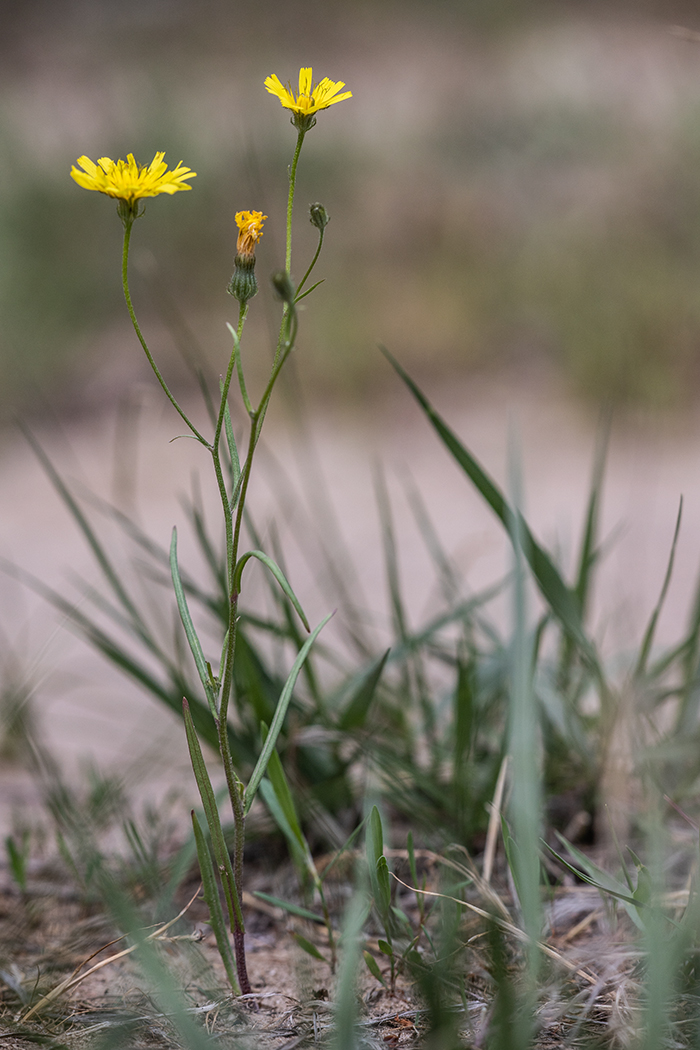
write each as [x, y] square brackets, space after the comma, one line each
[514, 193]
[513, 185]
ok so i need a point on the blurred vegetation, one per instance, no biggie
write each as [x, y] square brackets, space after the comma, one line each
[487, 207]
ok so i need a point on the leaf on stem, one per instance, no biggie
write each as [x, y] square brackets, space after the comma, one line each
[211, 812]
[280, 712]
[194, 643]
[210, 890]
[276, 572]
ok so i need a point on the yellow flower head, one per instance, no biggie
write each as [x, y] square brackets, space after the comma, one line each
[128, 182]
[250, 231]
[309, 100]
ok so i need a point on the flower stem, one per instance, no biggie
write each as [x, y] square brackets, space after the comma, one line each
[304, 279]
[128, 223]
[290, 200]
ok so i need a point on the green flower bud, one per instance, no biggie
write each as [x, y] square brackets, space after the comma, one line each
[243, 285]
[318, 216]
[282, 284]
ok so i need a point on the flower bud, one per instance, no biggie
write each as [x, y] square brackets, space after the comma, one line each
[318, 216]
[244, 284]
[282, 284]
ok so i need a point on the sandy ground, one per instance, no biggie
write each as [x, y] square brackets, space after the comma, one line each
[86, 712]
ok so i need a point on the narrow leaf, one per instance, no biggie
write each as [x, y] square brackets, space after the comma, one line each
[280, 713]
[211, 811]
[307, 946]
[276, 572]
[651, 628]
[355, 713]
[210, 890]
[373, 967]
[553, 588]
[293, 909]
[194, 643]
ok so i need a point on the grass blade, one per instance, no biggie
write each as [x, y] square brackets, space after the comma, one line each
[557, 594]
[651, 629]
[355, 713]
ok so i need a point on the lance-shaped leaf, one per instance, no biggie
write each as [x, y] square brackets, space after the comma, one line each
[276, 572]
[280, 713]
[211, 812]
[211, 896]
[356, 709]
[202, 669]
[562, 601]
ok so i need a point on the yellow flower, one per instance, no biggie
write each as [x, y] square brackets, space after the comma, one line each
[243, 285]
[128, 182]
[250, 231]
[310, 99]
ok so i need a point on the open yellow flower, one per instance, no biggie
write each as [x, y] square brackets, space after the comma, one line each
[310, 99]
[129, 182]
[250, 231]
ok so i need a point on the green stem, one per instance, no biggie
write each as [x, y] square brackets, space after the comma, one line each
[290, 199]
[235, 355]
[234, 789]
[128, 223]
[287, 336]
[313, 262]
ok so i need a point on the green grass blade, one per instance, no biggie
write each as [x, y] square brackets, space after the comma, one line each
[93, 542]
[307, 946]
[356, 710]
[589, 542]
[345, 1036]
[589, 552]
[648, 640]
[391, 562]
[278, 575]
[293, 909]
[297, 847]
[560, 598]
[524, 744]
[210, 890]
[280, 786]
[280, 713]
[194, 643]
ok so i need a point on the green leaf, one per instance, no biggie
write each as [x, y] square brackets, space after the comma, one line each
[17, 859]
[211, 812]
[463, 717]
[648, 640]
[280, 712]
[385, 948]
[211, 896]
[375, 839]
[276, 572]
[307, 946]
[384, 887]
[355, 713]
[194, 643]
[373, 967]
[560, 598]
[297, 848]
[293, 909]
[283, 793]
